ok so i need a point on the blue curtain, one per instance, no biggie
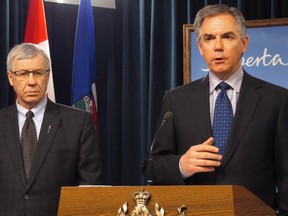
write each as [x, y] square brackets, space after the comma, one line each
[12, 16]
[138, 57]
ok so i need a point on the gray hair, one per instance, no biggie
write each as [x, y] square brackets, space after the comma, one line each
[26, 51]
[212, 10]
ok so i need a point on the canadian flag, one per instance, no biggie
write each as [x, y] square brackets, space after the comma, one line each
[36, 32]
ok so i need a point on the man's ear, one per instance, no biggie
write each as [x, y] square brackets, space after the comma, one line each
[200, 48]
[245, 42]
[10, 77]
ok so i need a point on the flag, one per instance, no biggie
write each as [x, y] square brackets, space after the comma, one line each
[36, 32]
[83, 94]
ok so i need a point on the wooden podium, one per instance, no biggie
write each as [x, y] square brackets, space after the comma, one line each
[198, 200]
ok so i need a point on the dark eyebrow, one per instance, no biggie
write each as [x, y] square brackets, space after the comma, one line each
[229, 34]
[207, 35]
[226, 33]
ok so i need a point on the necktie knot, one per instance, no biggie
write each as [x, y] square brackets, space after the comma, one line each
[223, 86]
[29, 114]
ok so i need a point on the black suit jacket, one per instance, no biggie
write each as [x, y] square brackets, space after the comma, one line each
[68, 154]
[256, 155]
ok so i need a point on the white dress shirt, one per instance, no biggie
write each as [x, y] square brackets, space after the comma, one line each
[235, 81]
[38, 111]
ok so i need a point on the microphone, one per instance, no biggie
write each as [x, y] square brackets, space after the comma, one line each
[167, 117]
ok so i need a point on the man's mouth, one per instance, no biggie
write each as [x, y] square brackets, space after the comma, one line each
[218, 60]
[31, 93]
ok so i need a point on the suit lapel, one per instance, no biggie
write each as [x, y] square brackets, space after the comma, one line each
[246, 106]
[200, 105]
[11, 133]
[47, 133]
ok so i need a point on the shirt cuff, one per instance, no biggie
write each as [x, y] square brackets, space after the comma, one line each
[184, 176]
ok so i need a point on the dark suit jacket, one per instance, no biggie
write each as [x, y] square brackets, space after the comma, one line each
[256, 155]
[68, 154]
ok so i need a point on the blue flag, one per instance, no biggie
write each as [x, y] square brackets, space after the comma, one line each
[83, 94]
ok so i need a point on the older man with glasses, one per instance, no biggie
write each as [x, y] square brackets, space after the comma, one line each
[43, 145]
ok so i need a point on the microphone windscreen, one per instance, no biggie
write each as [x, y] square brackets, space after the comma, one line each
[168, 116]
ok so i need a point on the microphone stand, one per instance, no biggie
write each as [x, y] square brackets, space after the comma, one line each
[168, 116]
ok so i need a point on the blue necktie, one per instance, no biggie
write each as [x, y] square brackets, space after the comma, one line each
[223, 116]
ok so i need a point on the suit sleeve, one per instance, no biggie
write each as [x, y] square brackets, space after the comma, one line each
[281, 158]
[163, 161]
[90, 162]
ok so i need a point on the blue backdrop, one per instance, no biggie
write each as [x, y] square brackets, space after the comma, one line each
[266, 56]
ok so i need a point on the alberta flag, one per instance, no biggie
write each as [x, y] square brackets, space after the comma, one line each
[84, 67]
[36, 32]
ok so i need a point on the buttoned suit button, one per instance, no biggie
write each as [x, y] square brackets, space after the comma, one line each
[26, 196]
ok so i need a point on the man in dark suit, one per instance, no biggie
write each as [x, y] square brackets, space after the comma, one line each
[256, 151]
[66, 152]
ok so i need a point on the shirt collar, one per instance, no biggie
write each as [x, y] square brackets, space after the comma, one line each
[38, 110]
[235, 80]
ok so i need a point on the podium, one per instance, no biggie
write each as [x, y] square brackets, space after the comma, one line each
[168, 200]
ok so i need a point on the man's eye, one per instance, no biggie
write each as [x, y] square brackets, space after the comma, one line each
[208, 38]
[37, 73]
[228, 36]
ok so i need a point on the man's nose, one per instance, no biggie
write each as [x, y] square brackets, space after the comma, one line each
[31, 78]
[218, 44]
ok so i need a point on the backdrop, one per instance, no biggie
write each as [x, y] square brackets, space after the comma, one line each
[138, 57]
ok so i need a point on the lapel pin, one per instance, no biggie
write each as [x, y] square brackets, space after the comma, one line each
[49, 129]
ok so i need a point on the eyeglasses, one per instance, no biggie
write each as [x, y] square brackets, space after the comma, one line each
[24, 74]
